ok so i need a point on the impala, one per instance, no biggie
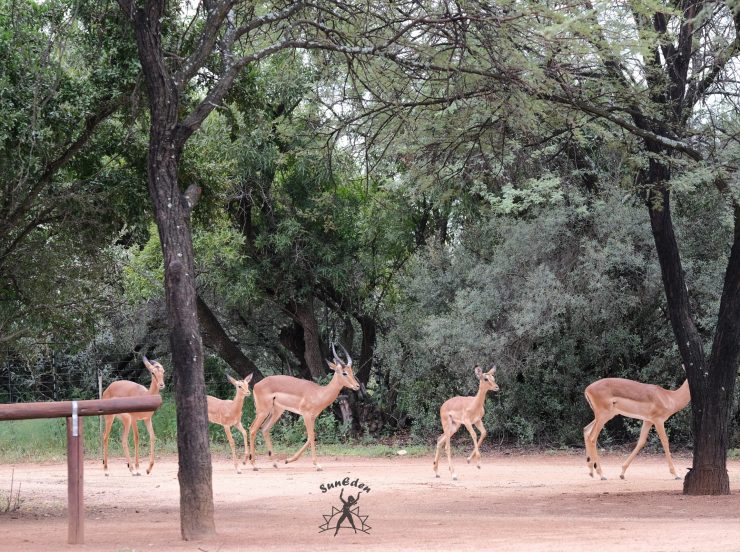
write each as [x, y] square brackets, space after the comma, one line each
[276, 394]
[229, 412]
[650, 403]
[468, 412]
[125, 388]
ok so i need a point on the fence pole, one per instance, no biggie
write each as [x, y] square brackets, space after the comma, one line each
[75, 470]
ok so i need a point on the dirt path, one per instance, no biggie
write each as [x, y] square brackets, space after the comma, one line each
[531, 502]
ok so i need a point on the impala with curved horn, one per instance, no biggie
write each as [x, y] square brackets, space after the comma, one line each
[276, 394]
[465, 411]
[125, 388]
[652, 404]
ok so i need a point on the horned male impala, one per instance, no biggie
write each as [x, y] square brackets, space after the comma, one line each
[125, 388]
[468, 412]
[650, 403]
[229, 412]
[276, 394]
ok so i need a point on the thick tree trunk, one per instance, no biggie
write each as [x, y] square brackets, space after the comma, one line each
[712, 382]
[193, 447]
[172, 212]
[305, 316]
[369, 336]
[216, 338]
[291, 337]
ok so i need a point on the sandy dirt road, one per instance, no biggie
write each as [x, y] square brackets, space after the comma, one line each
[515, 502]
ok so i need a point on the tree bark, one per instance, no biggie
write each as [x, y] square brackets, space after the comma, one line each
[216, 338]
[172, 213]
[304, 314]
[711, 383]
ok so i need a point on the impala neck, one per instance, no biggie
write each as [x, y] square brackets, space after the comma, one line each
[682, 395]
[480, 396]
[238, 401]
[330, 391]
[153, 388]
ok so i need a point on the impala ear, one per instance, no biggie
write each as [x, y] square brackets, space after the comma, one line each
[332, 366]
[248, 378]
[232, 381]
[478, 372]
[492, 371]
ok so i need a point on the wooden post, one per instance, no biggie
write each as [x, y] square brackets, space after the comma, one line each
[75, 468]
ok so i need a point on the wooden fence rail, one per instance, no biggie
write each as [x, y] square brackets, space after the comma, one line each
[72, 410]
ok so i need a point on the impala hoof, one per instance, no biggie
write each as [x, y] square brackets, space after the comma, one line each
[454, 477]
[591, 475]
[275, 464]
[107, 474]
[603, 478]
[319, 468]
[468, 460]
[238, 471]
[678, 478]
[255, 469]
[435, 475]
[621, 476]
[478, 466]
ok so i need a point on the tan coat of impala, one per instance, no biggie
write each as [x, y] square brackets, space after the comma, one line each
[276, 394]
[465, 411]
[125, 388]
[229, 412]
[652, 404]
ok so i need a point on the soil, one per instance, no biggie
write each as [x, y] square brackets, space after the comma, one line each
[532, 502]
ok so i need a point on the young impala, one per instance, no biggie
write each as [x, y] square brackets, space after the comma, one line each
[652, 404]
[125, 388]
[229, 412]
[276, 394]
[468, 412]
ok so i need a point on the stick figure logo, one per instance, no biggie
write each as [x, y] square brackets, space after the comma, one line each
[348, 513]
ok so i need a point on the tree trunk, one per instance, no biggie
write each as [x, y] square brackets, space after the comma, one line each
[712, 404]
[172, 213]
[291, 337]
[304, 314]
[216, 338]
[193, 446]
[711, 383]
[369, 334]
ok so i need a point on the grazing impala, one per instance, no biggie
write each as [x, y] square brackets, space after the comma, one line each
[276, 394]
[125, 388]
[650, 403]
[468, 412]
[228, 413]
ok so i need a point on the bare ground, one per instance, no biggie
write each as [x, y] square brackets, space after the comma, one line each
[515, 502]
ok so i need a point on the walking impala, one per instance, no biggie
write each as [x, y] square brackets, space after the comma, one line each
[229, 412]
[125, 388]
[468, 412]
[276, 394]
[650, 403]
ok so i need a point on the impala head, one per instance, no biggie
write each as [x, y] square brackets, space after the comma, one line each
[343, 370]
[487, 379]
[242, 386]
[156, 370]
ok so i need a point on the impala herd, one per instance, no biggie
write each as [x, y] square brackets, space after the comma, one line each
[274, 395]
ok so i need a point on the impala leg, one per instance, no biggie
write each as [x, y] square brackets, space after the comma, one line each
[152, 439]
[483, 432]
[243, 431]
[273, 419]
[476, 452]
[106, 434]
[126, 419]
[664, 441]
[259, 419]
[135, 427]
[587, 443]
[440, 443]
[640, 443]
[592, 439]
[230, 437]
[448, 446]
